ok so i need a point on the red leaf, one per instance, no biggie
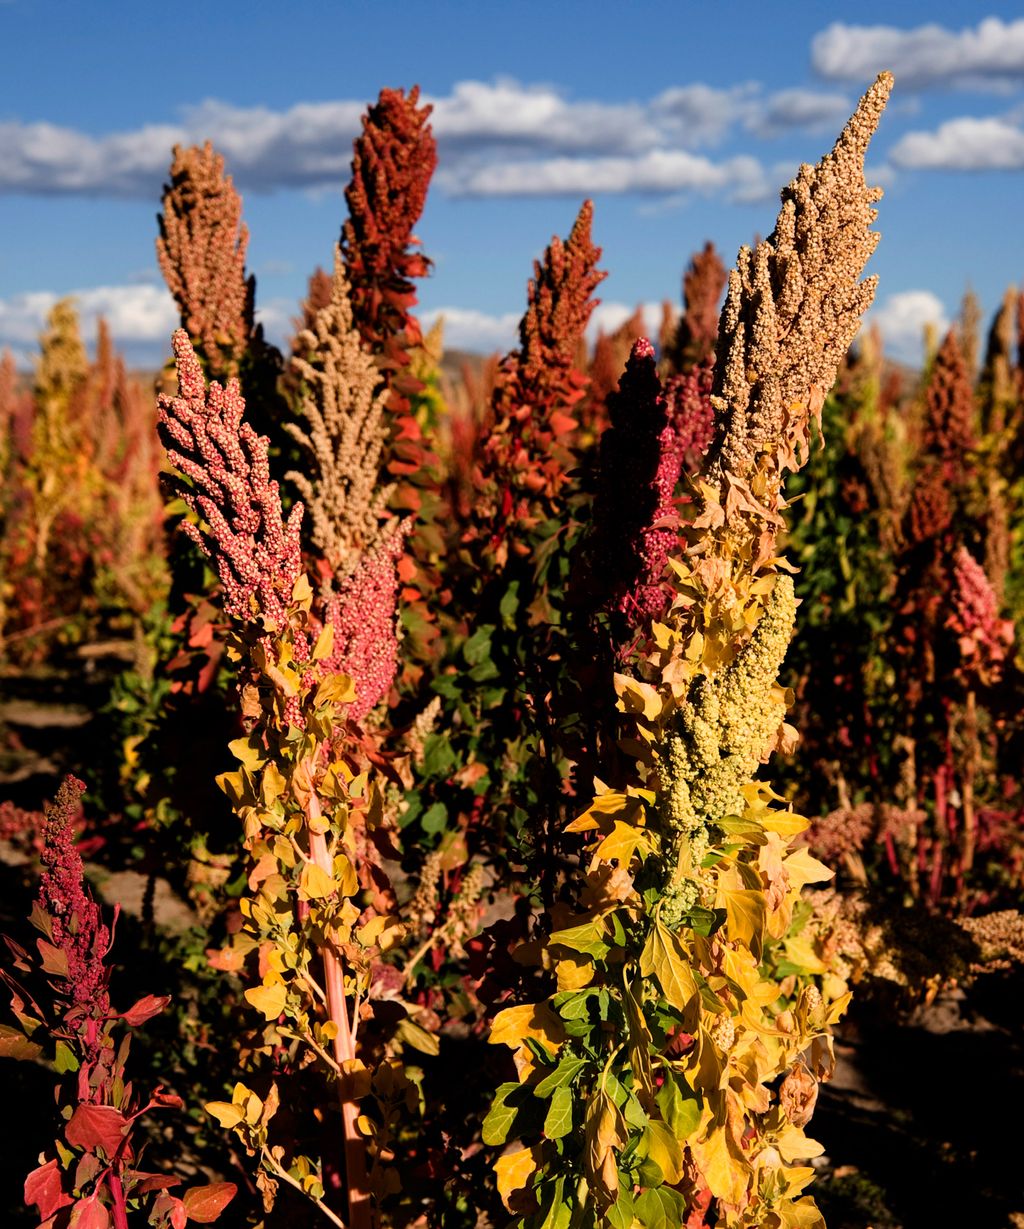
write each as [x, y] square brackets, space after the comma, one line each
[89, 1214]
[97, 1126]
[172, 1208]
[141, 1183]
[169, 1100]
[205, 1203]
[145, 1009]
[54, 960]
[44, 1188]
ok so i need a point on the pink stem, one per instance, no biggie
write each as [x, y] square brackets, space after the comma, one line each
[360, 1211]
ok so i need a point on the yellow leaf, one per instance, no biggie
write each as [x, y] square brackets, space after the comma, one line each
[621, 843]
[248, 755]
[513, 1025]
[800, 950]
[636, 696]
[574, 972]
[722, 1175]
[324, 642]
[663, 1149]
[605, 805]
[302, 590]
[418, 1037]
[270, 1000]
[336, 689]
[745, 917]
[315, 883]
[838, 1008]
[514, 1171]
[794, 1145]
[664, 958]
[345, 876]
[804, 869]
[227, 1115]
[785, 823]
[273, 784]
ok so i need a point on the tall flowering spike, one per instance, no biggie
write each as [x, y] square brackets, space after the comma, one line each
[691, 413]
[524, 452]
[8, 408]
[697, 331]
[968, 329]
[611, 352]
[63, 363]
[392, 165]
[983, 637]
[318, 296]
[76, 926]
[226, 482]
[345, 433]
[201, 249]
[364, 617]
[655, 436]
[949, 431]
[793, 306]
[998, 387]
[634, 506]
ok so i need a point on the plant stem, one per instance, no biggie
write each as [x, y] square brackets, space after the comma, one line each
[359, 1207]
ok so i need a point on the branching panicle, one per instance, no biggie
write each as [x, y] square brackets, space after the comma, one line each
[345, 434]
[77, 926]
[793, 306]
[524, 454]
[201, 249]
[364, 617]
[255, 551]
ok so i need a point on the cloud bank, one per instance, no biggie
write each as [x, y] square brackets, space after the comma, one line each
[902, 319]
[500, 138]
[989, 55]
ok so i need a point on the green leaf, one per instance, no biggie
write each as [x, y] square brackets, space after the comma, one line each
[478, 647]
[500, 1116]
[14, 1044]
[558, 1121]
[680, 1106]
[621, 1214]
[704, 921]
[435, 818]
[566, 1071]
[65, 1059]
[557, 1209]
[586, 939]
[664, 958]
[660, 1208]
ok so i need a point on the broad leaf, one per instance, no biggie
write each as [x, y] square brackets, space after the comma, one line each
[558, 1121]
[663, 957]
[204, 1204]
[96, 1126]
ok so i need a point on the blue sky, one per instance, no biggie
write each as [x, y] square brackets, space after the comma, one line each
[682, 120]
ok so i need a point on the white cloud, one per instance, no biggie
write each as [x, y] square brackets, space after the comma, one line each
[141, 319]
[478, 113]
[480, 332]
[476, 331]
[798, 108]
[701, 114]
[608, 317]
[902, 319]
[496, 138]
[964, 144]
[987, 56]
[657, 171]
